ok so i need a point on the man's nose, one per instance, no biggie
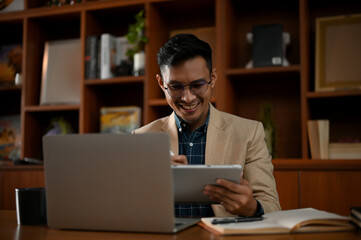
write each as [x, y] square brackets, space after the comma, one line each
[188, 96]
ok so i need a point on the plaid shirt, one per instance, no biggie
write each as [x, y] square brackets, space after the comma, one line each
[193, 145]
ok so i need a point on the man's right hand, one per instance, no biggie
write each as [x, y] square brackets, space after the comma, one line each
[179, 160]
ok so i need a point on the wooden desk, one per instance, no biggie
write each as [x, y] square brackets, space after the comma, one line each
[9, 230]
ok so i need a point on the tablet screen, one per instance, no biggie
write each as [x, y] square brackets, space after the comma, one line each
[189, 180]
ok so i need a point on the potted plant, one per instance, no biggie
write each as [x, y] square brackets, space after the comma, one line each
[137, 39]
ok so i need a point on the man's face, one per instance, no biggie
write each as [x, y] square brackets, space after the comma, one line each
[191, 107]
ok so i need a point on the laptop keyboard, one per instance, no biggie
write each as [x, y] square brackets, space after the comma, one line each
[177, 224]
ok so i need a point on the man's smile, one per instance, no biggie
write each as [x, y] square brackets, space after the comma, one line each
[189, 107]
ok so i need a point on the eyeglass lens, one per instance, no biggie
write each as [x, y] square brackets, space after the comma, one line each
[196, 87]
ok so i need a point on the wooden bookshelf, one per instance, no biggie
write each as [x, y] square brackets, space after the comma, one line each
[240, 91]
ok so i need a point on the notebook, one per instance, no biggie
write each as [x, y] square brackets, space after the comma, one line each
[111, 182]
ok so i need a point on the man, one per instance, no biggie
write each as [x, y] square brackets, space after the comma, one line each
[200, 134]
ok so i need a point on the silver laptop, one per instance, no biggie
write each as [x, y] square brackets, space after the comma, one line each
[111, 182]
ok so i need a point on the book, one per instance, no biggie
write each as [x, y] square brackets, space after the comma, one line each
[318, 136]
[10, 137]
[123, 64]
[10, 63]
[287, 221]
[356, 216]
[91, 57]
[267, 47]
[345, 150]
[11, 5]
[61, 75]
[108, 55]
[119, 119]
[121, 45]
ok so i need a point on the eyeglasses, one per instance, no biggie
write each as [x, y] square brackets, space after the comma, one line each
[197, 87]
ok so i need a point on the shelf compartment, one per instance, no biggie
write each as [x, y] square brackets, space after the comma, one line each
[114, 20]
[39, 31]
[10, 96]
[248, 93]
[12, 29]
[110, 95]
[37, 125]
[241, 16]
[342, 113]
[165, 15]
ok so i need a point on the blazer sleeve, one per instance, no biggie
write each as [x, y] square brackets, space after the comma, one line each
[258, 171]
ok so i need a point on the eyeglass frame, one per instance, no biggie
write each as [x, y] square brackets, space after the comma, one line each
[189, 86]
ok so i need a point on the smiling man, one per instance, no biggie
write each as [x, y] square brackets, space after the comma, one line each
[200, 134]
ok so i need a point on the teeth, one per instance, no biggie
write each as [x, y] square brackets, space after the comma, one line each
[189, 106]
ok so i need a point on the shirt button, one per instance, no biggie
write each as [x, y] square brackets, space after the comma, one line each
[191, 144]
[180, 129]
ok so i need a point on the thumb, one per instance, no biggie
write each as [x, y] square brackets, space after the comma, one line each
[243, 181]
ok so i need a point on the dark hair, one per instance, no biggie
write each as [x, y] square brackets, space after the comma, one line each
[183, 47]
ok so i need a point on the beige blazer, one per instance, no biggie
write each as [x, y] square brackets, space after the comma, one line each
[232, 140]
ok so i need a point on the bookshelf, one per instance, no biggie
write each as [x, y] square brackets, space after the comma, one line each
[240, 91]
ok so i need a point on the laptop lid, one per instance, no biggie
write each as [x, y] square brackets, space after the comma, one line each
[116, 182]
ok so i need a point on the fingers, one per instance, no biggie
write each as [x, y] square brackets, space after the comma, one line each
[179, 160]
[235, 198]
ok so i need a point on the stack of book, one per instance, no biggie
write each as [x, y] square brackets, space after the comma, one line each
[350, 150]
[104, 56]
[119, 119]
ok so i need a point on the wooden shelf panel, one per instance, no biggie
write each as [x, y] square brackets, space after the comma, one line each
[50, 108]
[11, 88]
[330, 94]
[264, 70]
[117, 80]
[308, 164]
[158, 102]
[279, 164]
[53, 11]
[16, 16]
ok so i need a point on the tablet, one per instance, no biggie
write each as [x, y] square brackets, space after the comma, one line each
[189, 180]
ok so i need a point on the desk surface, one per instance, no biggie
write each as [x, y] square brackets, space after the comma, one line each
[10, 230]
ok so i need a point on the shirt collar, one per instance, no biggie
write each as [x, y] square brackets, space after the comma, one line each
[184, 126]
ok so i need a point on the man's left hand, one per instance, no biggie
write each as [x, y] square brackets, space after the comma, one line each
[235, 198]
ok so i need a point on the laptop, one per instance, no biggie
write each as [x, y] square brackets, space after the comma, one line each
[110, 182]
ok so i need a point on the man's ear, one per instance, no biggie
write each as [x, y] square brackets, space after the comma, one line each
[160, 81]
[214, 77]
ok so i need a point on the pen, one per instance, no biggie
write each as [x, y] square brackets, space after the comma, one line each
[236, 220]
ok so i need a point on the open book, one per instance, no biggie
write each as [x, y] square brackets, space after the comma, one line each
[288, 221]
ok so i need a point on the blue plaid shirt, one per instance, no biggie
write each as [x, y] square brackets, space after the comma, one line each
[193, 145]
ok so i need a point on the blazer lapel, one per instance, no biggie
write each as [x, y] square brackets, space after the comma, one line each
[170, 127]
[217, 139]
